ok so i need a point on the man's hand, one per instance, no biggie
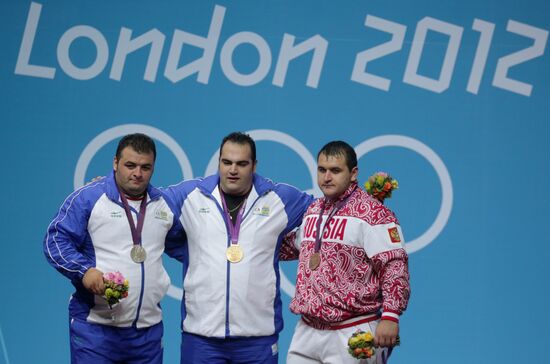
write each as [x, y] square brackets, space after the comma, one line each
[386, 333]
[93, 281]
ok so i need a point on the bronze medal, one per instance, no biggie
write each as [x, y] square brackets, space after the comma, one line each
[138, 254]
[234, 253]
[314, 261]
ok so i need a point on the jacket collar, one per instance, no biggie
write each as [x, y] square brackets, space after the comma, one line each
[351, 188]
[260, 186]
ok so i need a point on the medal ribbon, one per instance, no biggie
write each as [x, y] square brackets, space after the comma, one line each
[136, 231]
[333, 212]
[233, 228]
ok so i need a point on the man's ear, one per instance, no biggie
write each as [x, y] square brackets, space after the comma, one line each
[115, 163]
[354, 173]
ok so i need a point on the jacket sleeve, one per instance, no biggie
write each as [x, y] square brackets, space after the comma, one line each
[289, 251]
[176, 244]
[392, 267]
[66, 235]
[296, 204]
[176, 239]
[384, 244]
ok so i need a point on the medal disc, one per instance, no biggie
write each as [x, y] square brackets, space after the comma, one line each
[138, 254]
[234, 253]
[314, 261]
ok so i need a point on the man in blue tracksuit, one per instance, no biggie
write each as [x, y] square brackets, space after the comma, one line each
[234, 223]
[119, 223]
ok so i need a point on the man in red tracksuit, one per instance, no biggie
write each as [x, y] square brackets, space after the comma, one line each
[352, 272]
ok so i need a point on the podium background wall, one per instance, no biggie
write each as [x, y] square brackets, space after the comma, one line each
[452, 98]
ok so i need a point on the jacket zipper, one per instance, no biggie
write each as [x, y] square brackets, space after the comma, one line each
[228, 275]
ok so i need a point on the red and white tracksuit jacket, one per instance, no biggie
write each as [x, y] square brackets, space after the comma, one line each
[363, 268]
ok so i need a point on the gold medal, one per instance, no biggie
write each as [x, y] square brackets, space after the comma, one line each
[234, 253]
[138, 254]
[314, 261]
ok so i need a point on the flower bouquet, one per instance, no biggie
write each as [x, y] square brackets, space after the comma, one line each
[381, 185]
[116, 287]
[361, 345]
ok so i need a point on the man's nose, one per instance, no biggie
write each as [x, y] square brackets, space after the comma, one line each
[138, 172]
[233, 168]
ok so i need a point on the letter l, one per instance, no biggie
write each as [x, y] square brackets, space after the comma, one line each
[23, 67]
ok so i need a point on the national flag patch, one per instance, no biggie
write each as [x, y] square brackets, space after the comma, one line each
[394, 235]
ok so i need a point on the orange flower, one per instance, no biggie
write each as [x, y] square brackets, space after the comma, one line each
[368, 352]
[381, 185]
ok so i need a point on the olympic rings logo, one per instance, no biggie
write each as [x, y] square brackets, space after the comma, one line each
[276, 136]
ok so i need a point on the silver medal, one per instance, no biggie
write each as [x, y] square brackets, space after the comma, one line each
[138, 254]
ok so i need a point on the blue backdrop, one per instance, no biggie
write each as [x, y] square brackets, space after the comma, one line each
[451, 98]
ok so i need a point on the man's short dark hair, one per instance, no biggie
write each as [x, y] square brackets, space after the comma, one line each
[141, 143]
[240, 138]
[340, 148]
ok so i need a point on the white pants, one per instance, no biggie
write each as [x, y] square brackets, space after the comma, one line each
[313, 346]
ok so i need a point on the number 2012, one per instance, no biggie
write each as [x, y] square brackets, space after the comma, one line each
[454, 32]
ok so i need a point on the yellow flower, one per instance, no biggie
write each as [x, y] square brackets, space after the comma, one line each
[354, 340]
[367, 336]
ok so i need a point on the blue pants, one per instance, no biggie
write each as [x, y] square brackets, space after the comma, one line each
[204, 350]
[102, 344]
